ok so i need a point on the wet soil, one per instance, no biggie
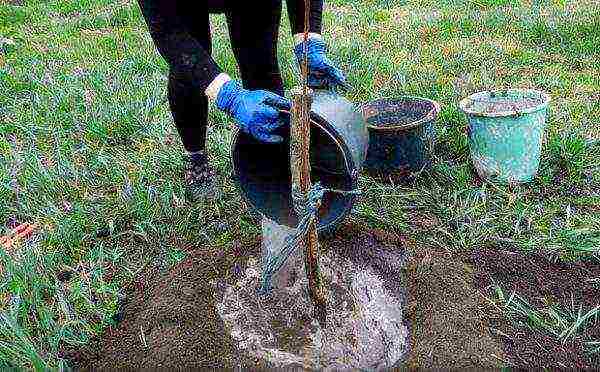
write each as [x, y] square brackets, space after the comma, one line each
[170, 319]
[363, 275]
[385, 251]
[542, 282]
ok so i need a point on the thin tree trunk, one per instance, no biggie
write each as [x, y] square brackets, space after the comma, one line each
[300, 164]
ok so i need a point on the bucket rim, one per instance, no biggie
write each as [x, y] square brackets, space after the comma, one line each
[432, 115]
[319, 122]
[466, 102]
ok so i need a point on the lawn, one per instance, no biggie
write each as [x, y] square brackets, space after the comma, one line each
[88, 150]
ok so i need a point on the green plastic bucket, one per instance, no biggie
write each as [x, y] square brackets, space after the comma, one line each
[505, 131]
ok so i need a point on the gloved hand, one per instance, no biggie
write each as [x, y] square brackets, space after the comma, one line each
[255, 111]
[321, 71]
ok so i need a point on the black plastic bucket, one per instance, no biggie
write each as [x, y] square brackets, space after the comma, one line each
[402, 134]
[339, 141]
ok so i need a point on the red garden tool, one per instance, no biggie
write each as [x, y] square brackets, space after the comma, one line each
[22, 231]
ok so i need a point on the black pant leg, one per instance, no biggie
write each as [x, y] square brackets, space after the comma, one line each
[189, 105]
[189, 108]
[254, 30]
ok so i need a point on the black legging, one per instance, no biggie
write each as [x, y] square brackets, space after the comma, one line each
[254, 43]
[181, 32]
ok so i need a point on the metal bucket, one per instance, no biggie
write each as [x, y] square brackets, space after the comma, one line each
[402, 134]
[339, 140]
[506, 130]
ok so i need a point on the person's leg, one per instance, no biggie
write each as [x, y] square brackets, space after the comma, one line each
[190, 113]
[189, 106]
[254, 31]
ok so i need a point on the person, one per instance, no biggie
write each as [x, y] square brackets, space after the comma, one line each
[181, 32]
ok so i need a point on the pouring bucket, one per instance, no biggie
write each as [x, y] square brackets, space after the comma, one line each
[338, 147]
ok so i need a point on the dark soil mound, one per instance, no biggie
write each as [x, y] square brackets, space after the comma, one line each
[541, 282]
[450, 318]
[538, 278]
[171, 322]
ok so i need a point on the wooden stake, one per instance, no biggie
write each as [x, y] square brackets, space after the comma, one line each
[305, 41]
[300, 164]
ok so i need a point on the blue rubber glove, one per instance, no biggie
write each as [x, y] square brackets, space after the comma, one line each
[321, 71]
[255, 111]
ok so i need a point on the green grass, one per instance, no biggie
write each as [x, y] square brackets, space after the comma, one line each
[564, 324]
[87, 144]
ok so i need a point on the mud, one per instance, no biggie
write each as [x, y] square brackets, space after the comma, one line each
[171, 319]
[542, 282]
[363, 275]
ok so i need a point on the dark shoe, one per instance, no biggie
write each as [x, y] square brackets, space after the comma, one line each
[200, 177]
